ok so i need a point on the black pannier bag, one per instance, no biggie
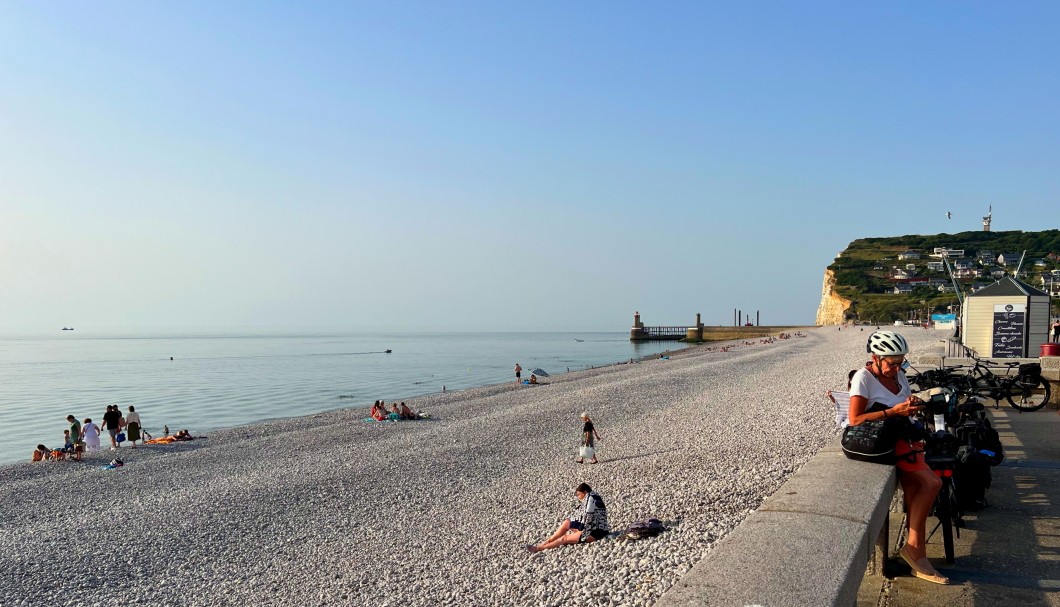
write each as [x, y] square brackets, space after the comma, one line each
[971, 479]
[1030, 374]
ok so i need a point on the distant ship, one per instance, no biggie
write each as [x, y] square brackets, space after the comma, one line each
[68, 328]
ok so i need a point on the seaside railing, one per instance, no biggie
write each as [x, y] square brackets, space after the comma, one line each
[665, 332]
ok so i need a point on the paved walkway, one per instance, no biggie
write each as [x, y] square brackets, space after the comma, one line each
[1009, 554]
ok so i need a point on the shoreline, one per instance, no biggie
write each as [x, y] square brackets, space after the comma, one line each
[264, 379]
[327, 509]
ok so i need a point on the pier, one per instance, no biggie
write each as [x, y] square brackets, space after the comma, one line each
[639, 332]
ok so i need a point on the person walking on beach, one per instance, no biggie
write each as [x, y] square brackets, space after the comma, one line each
[90, 434]
[586, 524]
[132, 426]
[75, 437]
[518, 373]
[112, 423]
[588, 432]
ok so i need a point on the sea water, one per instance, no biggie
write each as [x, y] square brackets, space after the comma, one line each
[203, 382]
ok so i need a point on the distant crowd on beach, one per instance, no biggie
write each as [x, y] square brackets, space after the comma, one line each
[81, 437]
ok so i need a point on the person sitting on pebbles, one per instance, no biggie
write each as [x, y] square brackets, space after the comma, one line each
[40, 454]
[407, 413]
[586, 524]
[379, 411]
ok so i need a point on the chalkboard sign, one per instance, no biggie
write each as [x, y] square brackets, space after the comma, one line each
[1009, 329]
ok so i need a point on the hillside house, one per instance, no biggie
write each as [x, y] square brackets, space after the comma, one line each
[963, 264]
[1008, 259]
[1040, 263]
[996, 273]
[903, 289]
[985, 255]
[936, 266]
[950, 253]
[968, 273]
[908, 255]
[902, 273]
[946, 289]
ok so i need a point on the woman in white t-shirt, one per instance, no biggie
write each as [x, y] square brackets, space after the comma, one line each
[882, 382]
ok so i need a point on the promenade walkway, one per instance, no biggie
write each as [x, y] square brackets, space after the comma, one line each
[1009, 554]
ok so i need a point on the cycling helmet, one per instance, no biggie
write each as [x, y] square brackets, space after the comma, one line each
[887, 343]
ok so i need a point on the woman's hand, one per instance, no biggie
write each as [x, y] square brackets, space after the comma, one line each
[906, 408]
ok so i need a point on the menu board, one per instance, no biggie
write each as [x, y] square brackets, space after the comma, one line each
[1009, 329]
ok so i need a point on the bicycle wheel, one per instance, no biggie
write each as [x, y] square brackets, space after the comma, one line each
[1028, 398]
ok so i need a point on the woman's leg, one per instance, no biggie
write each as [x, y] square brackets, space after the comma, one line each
[571, 537]
[920, 487]
[562, 530]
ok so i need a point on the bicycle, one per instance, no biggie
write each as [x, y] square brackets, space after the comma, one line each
[1025, 391]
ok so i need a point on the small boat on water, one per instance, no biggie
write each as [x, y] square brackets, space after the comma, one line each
[387, 351]
[68, 328]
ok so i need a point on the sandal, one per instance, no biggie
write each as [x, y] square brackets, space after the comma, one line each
[922, 569]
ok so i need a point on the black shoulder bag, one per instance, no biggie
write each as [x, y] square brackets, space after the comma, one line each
[873, 441]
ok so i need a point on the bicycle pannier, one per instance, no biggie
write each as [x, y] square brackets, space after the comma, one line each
[1030, 374]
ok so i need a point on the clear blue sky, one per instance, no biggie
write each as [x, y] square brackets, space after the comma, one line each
[488, 166]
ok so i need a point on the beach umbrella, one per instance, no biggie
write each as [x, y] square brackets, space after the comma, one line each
[539, 373]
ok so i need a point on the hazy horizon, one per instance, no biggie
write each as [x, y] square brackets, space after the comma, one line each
[466, 166]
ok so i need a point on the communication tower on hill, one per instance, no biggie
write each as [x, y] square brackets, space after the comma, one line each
[986, 219]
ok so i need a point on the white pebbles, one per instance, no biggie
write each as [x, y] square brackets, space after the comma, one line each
[333, 510]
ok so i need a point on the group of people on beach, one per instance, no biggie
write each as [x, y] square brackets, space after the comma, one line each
[84, 436]
[395, 412]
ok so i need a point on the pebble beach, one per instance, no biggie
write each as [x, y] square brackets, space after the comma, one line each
[331, 509]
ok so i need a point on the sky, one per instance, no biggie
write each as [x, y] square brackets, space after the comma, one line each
[484, 166]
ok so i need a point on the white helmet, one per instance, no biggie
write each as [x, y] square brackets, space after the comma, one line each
[887, 343]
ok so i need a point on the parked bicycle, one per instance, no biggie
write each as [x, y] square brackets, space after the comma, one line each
[941, 455]
[1024, 391]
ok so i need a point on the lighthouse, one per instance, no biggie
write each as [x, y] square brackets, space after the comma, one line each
[986, 219]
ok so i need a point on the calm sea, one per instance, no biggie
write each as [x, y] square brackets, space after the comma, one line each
[222, 381]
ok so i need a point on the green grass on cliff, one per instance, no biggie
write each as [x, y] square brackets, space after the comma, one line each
[863, 269]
